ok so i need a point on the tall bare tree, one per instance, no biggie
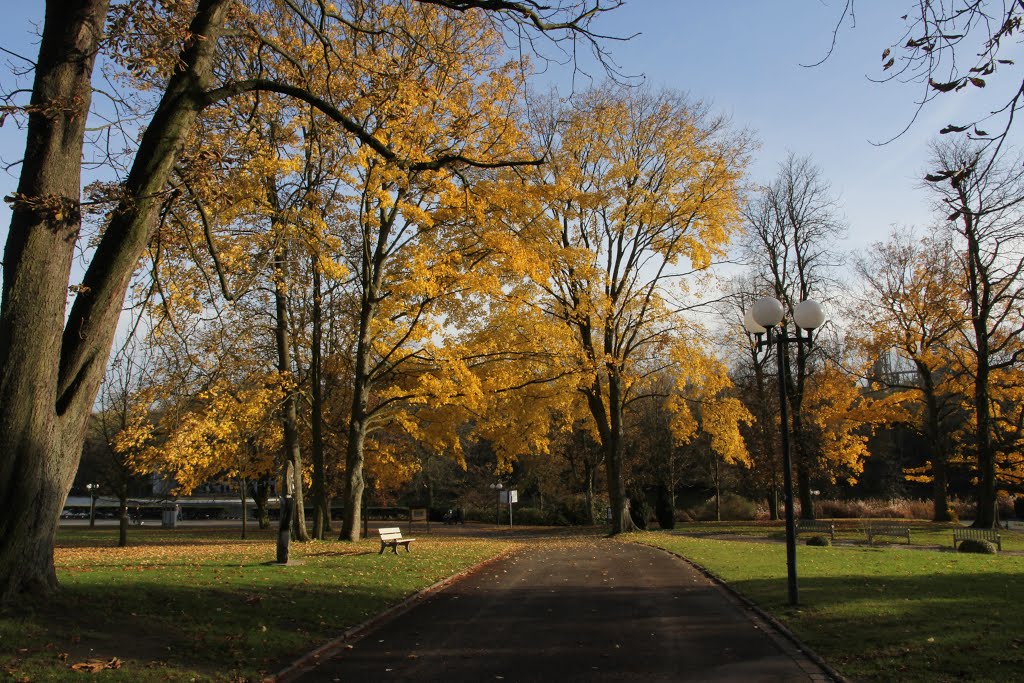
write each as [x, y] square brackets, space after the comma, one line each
[793, 225]
[982, 199]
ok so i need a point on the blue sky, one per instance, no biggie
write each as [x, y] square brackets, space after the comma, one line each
[744, 56]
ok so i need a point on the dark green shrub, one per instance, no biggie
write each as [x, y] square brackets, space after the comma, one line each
[664, 510]
[734, 508]
[526, 516]
[974, 545]
[820, 541]
[1018, 507]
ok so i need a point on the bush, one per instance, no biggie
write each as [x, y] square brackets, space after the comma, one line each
[664, 511]
[734, 508]
[527, 516]
[974, 545]
[820, 541]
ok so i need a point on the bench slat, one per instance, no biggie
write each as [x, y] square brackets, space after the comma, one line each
[964, 533]
[392, 537]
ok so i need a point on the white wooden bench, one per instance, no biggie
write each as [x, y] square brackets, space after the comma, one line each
[990, 535]
[391, 537]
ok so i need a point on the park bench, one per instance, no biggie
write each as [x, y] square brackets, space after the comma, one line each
[896, 530]
[391, 537]
[813, 526]
[965, 533]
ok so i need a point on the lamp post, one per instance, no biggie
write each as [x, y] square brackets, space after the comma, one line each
[497, 508]
[92, 489]
[766, 321]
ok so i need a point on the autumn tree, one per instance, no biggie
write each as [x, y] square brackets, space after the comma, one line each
[51, 364]
[641, 192]
[912, 306]
[705, 411]
[792, 226]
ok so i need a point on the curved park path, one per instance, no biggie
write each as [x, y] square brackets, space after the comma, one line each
[570, 609]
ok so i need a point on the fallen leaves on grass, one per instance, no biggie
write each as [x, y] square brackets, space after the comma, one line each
[94, 666]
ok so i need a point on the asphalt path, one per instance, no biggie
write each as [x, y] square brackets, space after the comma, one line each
[571, 609]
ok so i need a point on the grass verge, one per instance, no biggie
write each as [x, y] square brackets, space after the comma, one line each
[187, 605]
[849, 531]
[882, 614]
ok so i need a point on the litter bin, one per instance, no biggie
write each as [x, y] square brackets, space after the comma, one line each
[170, 516]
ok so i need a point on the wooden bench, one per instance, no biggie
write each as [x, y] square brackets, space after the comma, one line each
[391, 537]
[895, 530]
[965, 533]
[813, 526]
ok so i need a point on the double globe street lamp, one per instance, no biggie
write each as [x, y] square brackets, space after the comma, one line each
[766, 321]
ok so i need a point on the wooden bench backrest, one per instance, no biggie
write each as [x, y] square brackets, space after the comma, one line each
[970, 532]
[391, 534]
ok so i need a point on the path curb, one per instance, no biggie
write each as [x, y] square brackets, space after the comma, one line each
[772, 621]
[352, 634]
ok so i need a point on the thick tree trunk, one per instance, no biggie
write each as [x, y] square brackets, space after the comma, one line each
[50, 370]
[292, 467]
[987, 516]
[39, 457]
[355, 484]
[622, 521]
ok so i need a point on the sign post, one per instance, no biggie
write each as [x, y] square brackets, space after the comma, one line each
[509, 497]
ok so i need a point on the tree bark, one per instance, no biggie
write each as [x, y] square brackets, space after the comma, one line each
[355, 483]
[292, 468]
[50, 370]
[321, 499]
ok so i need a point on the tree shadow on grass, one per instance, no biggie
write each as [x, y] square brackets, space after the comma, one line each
[941, 626]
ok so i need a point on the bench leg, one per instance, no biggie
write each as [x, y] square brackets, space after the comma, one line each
[381, 548]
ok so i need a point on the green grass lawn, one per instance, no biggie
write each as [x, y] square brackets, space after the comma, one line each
[883, 614]
[848, 531]
[183, 605]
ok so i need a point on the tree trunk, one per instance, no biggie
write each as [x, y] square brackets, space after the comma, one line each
[361, 384]
[122, 521]
[321, 499]
[590, 474]
[718, 488]
[50, 370]
[242, 487]
[289, 409]
[986, 517]
[803, 487]
[261, 496]
[622, 521]
[355, 484]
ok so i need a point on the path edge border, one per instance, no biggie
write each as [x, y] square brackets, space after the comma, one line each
[310, 660]
[781, 628]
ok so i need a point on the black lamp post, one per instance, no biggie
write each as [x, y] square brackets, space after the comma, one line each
[766, 321]
[497, 508]
[92, 489]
